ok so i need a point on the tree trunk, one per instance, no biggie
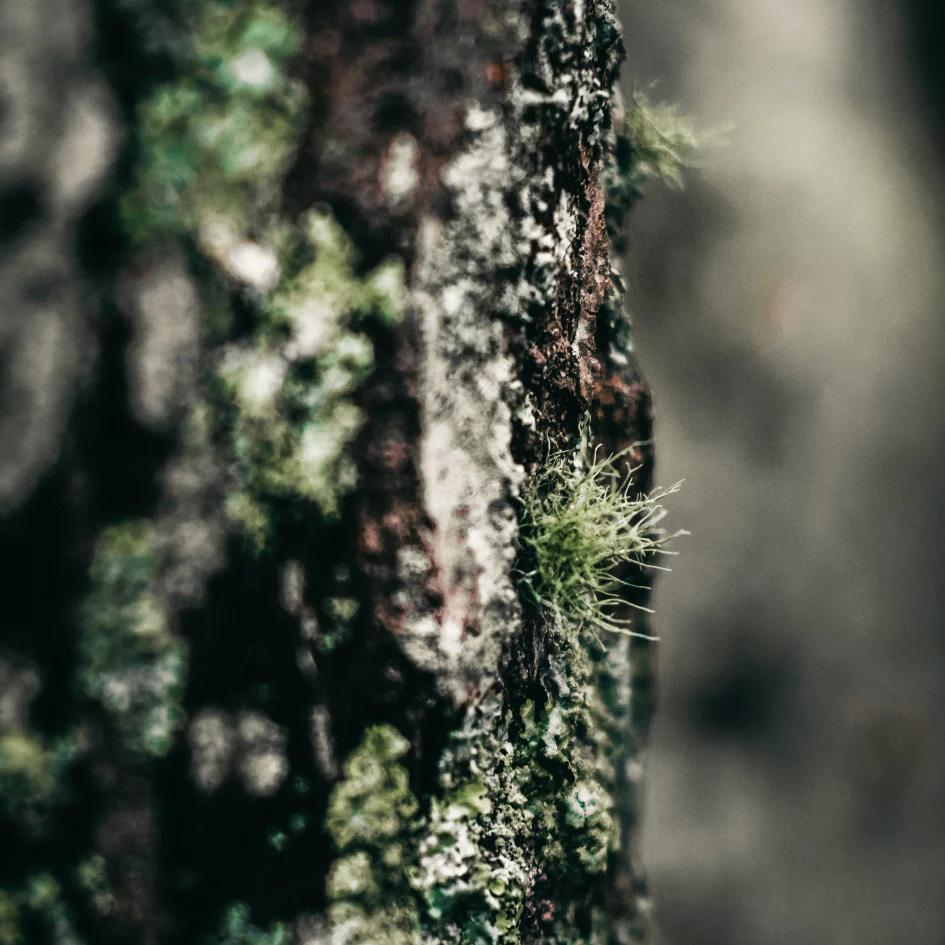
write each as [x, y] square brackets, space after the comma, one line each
[300, 299]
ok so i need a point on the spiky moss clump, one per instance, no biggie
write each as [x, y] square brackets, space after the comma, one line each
[129, 661]
[651, 142]
[288, 388]
[372, 820]
[582, 520]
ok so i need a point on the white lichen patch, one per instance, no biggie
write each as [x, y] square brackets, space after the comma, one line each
[423, 642]
[469, 477]
[212, 739]
[86, 147]
[250, 745]
[162, 356]
[262, 763]
[399, 174]
[251, 263]
[253, 68]
[258, 376]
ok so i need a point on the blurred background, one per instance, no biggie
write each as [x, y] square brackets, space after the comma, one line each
[789, 309]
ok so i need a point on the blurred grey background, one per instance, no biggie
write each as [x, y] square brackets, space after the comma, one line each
[789, 310]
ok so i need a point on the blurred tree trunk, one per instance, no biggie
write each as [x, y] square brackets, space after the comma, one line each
[298, 298]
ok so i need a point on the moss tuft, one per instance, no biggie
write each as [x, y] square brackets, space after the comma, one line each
[581, 522]
[650, 142]
[662, 140]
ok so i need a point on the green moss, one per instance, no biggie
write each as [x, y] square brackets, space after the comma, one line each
[372, 805]
[650, 142]
[128, 659]
[582, 520]
[661, 140]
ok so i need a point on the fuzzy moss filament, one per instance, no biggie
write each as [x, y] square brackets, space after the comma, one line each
[582, 521]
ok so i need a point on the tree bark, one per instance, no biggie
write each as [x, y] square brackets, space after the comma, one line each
[302, 296]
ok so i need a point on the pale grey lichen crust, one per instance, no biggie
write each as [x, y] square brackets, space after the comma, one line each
[468, 474]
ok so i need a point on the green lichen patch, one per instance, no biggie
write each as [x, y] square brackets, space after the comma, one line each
[372, 821]
[521, 837]
[33, 764]
[236, 928]
[582, 520]
[474, 866]
[36, 909]
[92, 878]
[31, 771]
[214, 141]
[288, 388]
[129, 661]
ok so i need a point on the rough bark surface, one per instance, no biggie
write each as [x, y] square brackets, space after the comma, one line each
[322, 286]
